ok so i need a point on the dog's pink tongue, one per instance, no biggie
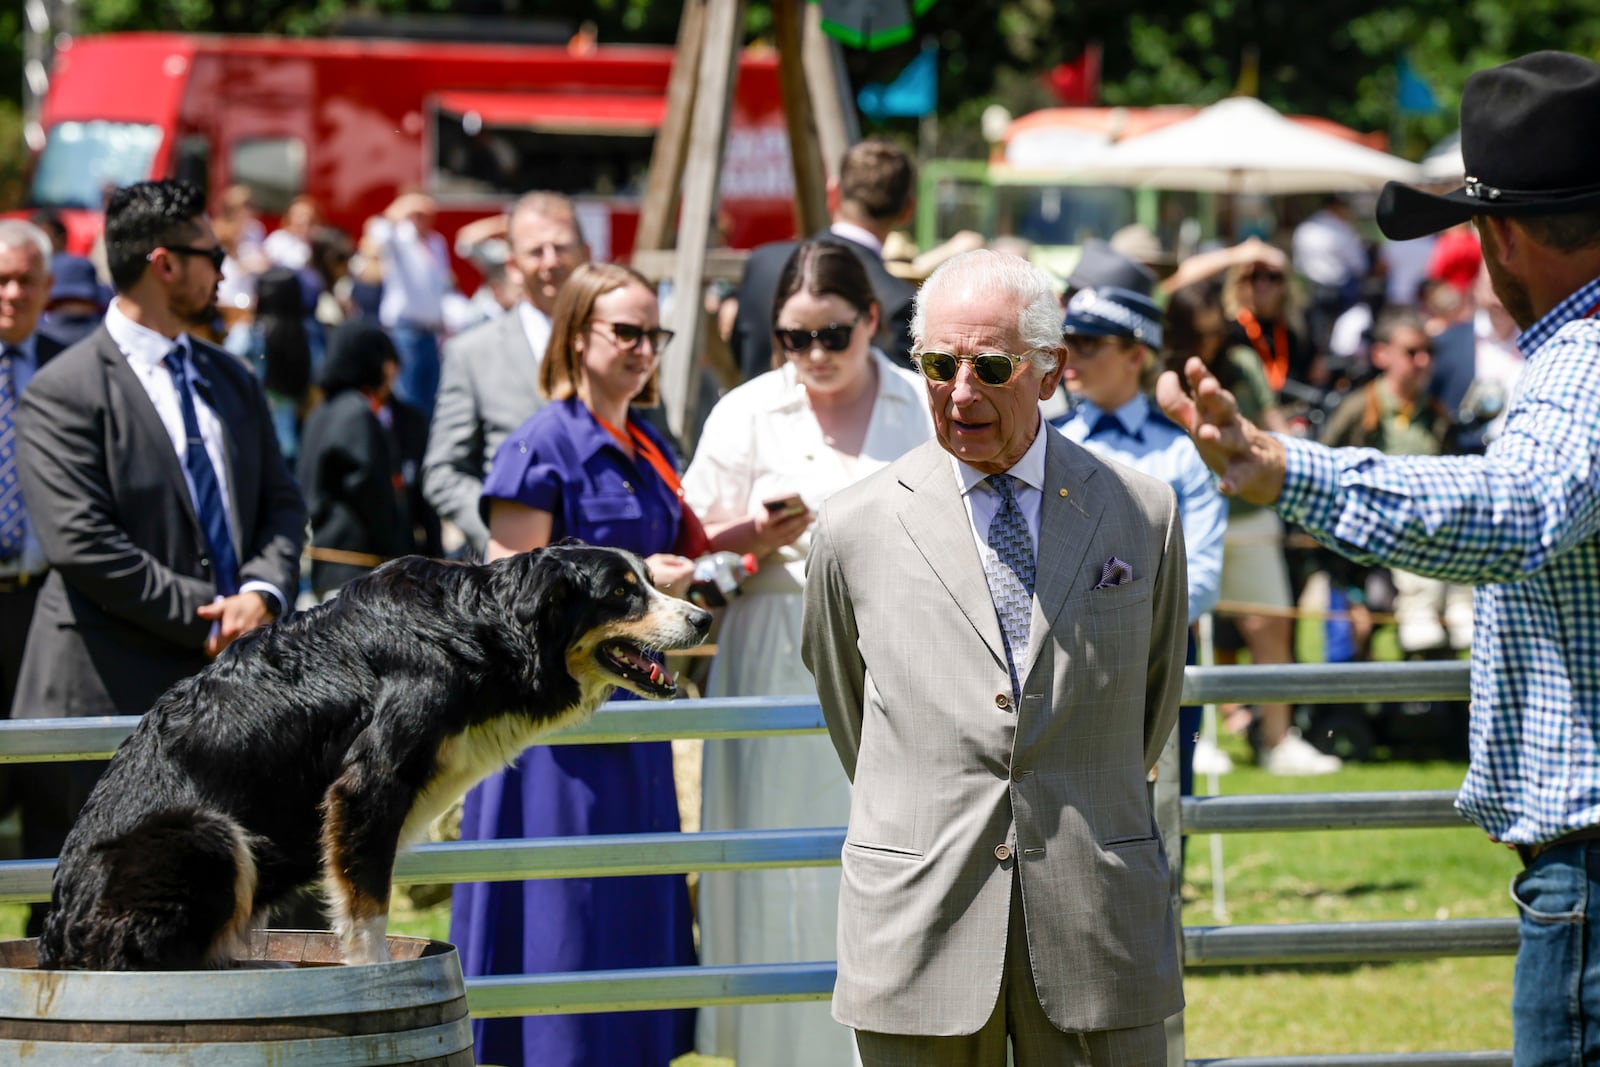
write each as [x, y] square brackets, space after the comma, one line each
[656, 672]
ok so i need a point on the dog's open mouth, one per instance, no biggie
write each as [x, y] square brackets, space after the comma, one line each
[627, 660]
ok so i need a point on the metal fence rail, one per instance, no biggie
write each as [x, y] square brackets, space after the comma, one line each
[25, 740]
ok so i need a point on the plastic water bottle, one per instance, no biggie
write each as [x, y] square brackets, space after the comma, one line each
[717, 576]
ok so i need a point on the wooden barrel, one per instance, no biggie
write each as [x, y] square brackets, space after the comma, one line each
[295, 1005]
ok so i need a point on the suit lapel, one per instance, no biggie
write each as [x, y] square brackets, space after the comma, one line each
[1068, 517]
[935, 519]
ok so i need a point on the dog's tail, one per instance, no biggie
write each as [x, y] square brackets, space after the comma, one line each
[176, 892]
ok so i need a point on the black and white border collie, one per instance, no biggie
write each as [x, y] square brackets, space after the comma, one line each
[326, 743]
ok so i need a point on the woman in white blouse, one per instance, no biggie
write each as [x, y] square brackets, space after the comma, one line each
[771, 452]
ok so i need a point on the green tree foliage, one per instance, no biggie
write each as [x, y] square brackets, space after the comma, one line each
[1335, 58]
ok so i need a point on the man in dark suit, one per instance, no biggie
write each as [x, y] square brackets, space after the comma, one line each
[871, 197]
[154, 482]
[24, 288]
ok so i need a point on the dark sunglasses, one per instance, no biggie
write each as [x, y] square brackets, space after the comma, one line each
[834, 337]
[992, 368]
[1265, 276]
[628, 335]
[1420, 350]
[216, 254]
[1081, 346]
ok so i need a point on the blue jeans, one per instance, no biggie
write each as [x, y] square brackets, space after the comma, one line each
[418, 350]
[1555, 996]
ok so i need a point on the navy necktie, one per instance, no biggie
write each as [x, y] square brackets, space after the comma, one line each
[208, 503]
[1010, 572]
[1109, 423]
[12, 516]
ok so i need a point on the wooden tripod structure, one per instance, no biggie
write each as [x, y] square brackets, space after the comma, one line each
[686, 166]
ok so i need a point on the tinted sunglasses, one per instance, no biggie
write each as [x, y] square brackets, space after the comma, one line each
[834, 337]
[1273, 276]
[216, 254]
[628, 335]
[992, 368]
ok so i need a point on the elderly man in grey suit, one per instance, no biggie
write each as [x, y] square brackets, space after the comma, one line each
[996, 623]
[490, 381]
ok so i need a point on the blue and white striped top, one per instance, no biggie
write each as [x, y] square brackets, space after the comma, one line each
[1522, 523]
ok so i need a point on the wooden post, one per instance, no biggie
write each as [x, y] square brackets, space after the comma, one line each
[835, 115]
[810, 172]
[719, 66]
[660, 208]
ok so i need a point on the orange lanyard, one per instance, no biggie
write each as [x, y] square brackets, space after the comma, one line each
[648, 450]
[1276, 359]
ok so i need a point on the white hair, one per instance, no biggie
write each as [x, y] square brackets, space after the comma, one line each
[17, 233]
[1011, 281]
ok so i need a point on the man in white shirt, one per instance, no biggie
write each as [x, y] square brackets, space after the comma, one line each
[416, 277]
[490, 381]
[1330, 254]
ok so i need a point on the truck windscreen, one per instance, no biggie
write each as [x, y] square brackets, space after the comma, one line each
[81, 160]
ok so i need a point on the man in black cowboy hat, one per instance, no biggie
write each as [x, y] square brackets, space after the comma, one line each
[1522, 523]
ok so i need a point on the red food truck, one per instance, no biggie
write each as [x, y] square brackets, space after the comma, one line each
[349, 122]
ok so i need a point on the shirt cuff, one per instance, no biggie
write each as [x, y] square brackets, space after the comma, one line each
[258, 586]
[1310, 495]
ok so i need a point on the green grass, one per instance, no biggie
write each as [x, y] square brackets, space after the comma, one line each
[1349, 876]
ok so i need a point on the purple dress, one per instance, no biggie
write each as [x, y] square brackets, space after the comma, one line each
[562, 461]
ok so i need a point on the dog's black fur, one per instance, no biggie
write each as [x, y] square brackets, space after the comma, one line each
[324, 744]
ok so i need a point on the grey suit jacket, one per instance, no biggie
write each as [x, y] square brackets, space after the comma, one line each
[115, 623]
[489, 385]
[955, 788]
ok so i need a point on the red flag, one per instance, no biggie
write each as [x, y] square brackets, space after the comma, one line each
[1077, 83]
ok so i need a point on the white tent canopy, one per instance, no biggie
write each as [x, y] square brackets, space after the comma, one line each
[1241, 145]
[1443, 161]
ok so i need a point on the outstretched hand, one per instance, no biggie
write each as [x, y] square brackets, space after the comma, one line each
[1249, 460]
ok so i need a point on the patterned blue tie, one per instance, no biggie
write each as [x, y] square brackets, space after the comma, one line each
[207, 490]
[1010, 573]
[12, 516]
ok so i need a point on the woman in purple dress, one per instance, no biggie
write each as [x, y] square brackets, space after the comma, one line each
[581, 467]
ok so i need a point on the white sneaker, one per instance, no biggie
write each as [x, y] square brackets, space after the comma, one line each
[1294, 755]
[1209, 759]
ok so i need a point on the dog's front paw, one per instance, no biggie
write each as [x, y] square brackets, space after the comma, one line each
[366, 941]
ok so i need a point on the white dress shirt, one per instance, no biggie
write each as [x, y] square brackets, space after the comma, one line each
[536, 326]
[982, 505]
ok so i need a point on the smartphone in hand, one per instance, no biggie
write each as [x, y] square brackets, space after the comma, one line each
[785, 506]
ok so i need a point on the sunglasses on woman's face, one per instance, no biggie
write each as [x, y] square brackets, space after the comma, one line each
[992, 368]
[834, 337]
[628, 335]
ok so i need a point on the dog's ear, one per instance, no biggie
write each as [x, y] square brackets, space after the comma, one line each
[545, 587]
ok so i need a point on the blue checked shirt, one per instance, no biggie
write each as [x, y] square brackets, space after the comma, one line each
[1522, 523]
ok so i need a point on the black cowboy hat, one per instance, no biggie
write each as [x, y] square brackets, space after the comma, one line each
[1527, 146]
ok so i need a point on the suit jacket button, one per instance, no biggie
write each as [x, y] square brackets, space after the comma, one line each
[1002, 852]
[1018, 774]
[1002, 700]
